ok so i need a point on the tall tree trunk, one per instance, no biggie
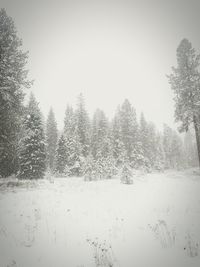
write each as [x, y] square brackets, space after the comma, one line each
[197, 136]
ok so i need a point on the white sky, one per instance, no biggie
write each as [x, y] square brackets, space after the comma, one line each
[108, 50]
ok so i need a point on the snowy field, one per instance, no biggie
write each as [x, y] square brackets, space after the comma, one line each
[67, 222]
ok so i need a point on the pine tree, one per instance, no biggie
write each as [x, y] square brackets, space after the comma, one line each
[61, 156]
[118, 147]
[90, 171]
[160, 156]
[94, 133]
[190, 149]
[32, 157]
[152, 145]
[177, 151]
[184, 80]
[173, 148]
[13, 78]
[51, 139]
[109, 167]
[83, 126]
[74, 158]
[129, 128]
[167, 146]
[69, 122]
[144, 142]
[101, 145]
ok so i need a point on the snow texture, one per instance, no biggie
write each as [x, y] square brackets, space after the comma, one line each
[69, 222]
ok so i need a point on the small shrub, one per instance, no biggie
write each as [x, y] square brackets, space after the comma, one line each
[192, 247]
[126, 174]
[103, 253]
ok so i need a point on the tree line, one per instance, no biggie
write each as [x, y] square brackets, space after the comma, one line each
[94, 147]
[98, 147]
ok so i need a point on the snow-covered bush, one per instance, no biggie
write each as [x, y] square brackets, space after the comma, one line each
[126, 174]
[89, 169]
[103, 168]
[110, 169]
[74, 170]
[103, 253]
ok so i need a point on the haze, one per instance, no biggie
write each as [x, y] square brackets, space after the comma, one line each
[108, 50]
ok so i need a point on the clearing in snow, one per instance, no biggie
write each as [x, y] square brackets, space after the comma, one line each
[67, 222]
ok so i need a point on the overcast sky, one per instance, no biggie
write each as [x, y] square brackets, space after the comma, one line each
[108, 50]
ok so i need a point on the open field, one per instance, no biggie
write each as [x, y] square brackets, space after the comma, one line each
[67, 222]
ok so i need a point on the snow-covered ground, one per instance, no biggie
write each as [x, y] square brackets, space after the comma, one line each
[67, 222]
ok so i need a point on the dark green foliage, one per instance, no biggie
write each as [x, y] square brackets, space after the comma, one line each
[73, 156]
[61, 156]
[51, 139]
[101, 168]
[32, 157]
[184, 81]
[13, 77]
[89, 170]
[105, 168]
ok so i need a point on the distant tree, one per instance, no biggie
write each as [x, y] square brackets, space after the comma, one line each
[129, 128]
[100, 144]
[144, 141]
[32, 157]
[61, 156]
[51, 139]
[190, 149]
[74, 157]
[13, 76]
[185, 82]
[105, 167]
[89, 170]
[167, 145]
[173, 148]
[143, 132]
[126, 175]
[177, 151]
[94, 133]
[159, 163]
[69, 122]
[83, 126]
[152, 144]
[118, 146]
